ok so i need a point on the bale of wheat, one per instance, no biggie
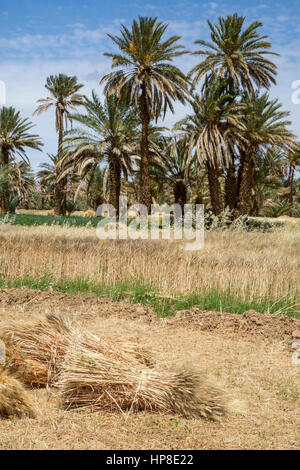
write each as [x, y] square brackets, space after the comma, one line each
[95, 380]
[14, 399]
[90, 213]
[35, 351]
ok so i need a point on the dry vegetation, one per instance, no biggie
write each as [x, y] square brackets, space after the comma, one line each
[260, 265]
[254, 370]
[249, 356]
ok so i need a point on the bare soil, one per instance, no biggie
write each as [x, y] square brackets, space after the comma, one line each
[249, 355]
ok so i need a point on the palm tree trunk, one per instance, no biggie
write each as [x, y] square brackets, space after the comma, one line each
[64, 195]
[180, 194]
[114, 184]
[59, 190]
[245, 182]
[199, 186]
[5, 192]
[145, 190]
[230, 188]
[291, 178]
[58, 197]
[216, 197]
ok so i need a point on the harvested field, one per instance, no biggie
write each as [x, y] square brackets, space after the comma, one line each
[266, 267]
[255, 369]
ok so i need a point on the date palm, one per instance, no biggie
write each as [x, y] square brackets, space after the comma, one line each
[212, 131]
[15, 138]
[47, 176]
[171, 167]
[266, 125]
[108, 132]
[146, 78]
[293, 162]
[64, 97]
[236, 54]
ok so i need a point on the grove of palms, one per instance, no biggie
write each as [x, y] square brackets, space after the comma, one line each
[234, 150]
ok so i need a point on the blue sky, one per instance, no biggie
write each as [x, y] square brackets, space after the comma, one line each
[69, 36]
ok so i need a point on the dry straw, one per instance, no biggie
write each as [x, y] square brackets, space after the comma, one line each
[14, 399]
[103, 373]
[96, 381]
[35, 351]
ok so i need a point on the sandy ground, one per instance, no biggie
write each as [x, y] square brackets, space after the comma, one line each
[253, 367]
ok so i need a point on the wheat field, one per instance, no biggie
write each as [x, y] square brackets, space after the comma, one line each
[254, 265]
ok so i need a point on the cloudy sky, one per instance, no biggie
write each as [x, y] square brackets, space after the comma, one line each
[69, 36]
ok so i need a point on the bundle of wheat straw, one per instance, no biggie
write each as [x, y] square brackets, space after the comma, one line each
[96, 381]
[35, 351]
[14, 399]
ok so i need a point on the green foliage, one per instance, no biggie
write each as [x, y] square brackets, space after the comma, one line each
[36, 220]
[15, 134]
[164, 305]
[296, 210]
[144, 62]
[236, 53]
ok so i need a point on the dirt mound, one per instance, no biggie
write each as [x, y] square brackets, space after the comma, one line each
[251, 323]
[30, 300]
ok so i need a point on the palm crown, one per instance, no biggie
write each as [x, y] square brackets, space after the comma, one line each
[107, 131]
[266, 123]
[15, 135]
[215, 126]
[63, 91]
[144, 62]
[236, 54]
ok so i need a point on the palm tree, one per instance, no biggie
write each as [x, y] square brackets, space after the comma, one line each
[18, 180]
[171, 167]
[212, 131]
[96, 187]
[47, 176]
[108, 133]
[146, 79]
[238, 55]
[293, 161]
[265, 126]
[63, 95]
[15, 137]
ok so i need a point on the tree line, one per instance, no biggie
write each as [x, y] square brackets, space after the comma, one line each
[233, 151]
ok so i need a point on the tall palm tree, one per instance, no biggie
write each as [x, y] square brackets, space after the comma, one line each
[146, 79]
[63, 95]
[265, 126]
[108, 132]
[15, 137]
[237, 54]
[212, 131]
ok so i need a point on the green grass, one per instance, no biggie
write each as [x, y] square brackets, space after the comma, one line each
[164, 305]
[33, 220]
[30, 220]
